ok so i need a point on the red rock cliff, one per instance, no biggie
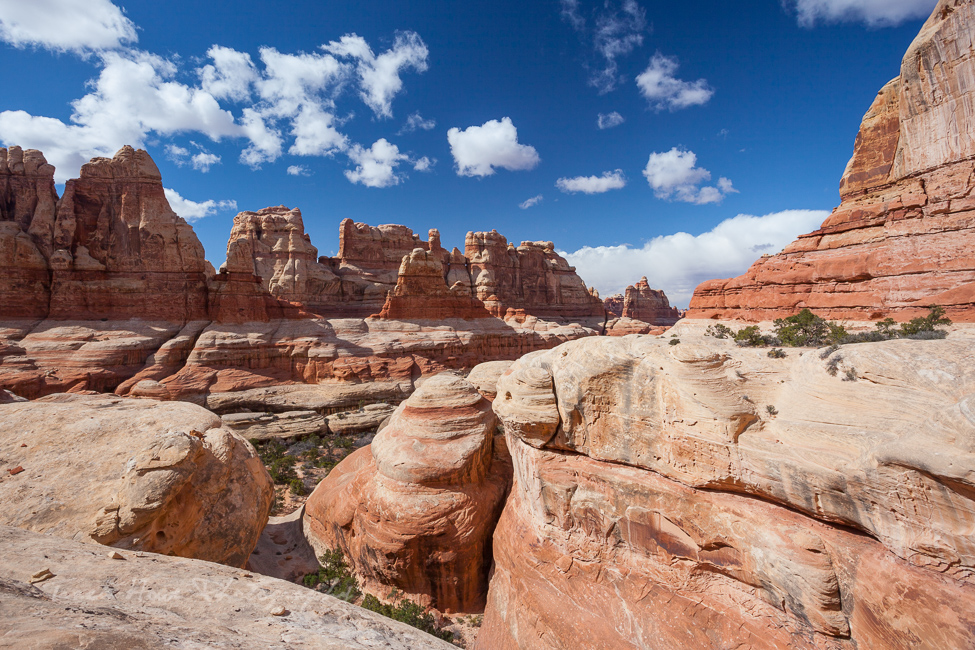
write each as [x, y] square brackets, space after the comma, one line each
[903, 237]
[28, 202]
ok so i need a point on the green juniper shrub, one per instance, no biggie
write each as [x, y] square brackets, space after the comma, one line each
[674, 341]
[928, 323]
[407, 612]
[771, 410]
[850, 374]
[297, 486]
[886, 328]
[777, 353]
[752, 337]
[719, 331]
[806, 329]
[334, 577]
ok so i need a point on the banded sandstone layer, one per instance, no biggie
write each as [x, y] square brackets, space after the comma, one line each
[415, 511]
[902, 239]
[658, 502]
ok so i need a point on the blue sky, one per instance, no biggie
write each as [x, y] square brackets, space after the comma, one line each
[728, 122]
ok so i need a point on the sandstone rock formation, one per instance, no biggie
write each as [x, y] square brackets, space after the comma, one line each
[648, 305]
[106, 289]
[416, 510]
[658, 502]
[532, 278]
[143, 600]
[485, 377]
[28, 204]
[902, 238]
[133, 474]
[421, 293]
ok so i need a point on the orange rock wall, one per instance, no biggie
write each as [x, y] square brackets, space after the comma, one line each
[902, 240]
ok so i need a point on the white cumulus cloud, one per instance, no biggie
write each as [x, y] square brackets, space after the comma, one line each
[375, 166]
[416, 121]
[617, 29]
[231, 74]
[663, 90]
[593, 184]
[298, 170]
[477, 150]
[193, 210]
[135, 94]
[609, 120]
[379, 76]
[874, 13]
[285, 102]
[424, 164]
[674, 175]
[80, 26]
[528, 203]
[678, 263]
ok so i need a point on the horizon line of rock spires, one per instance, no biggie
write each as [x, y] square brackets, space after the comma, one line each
[112, 247]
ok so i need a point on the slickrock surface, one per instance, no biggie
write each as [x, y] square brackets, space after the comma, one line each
[903, 238]
[266, 426]
[659, 504]
[152, 601]
[133, 474]
[485, 377]
[416, 509]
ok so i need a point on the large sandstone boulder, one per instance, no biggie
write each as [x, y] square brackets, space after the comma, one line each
[902, 239]
[660, 503]
[416, 510]
[144, 600]
[133, 474]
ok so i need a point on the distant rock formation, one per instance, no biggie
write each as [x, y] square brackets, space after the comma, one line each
[107, 287]
[421, 293]
[416, 510]
[531, 278]
[648, 305]
[703, 495]
[133, 474]
[902, 239]
[110, 248]
[614, 305]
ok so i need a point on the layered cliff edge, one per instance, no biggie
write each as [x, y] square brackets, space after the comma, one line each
[902, 240]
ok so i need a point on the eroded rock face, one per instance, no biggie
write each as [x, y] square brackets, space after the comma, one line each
[902, 239]
[416, 509]
[648, 305]
[531, 278]
[119, 249]
[28, 202]
[133, 474]
[421, 293]
[94, 601]
[650, 482]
